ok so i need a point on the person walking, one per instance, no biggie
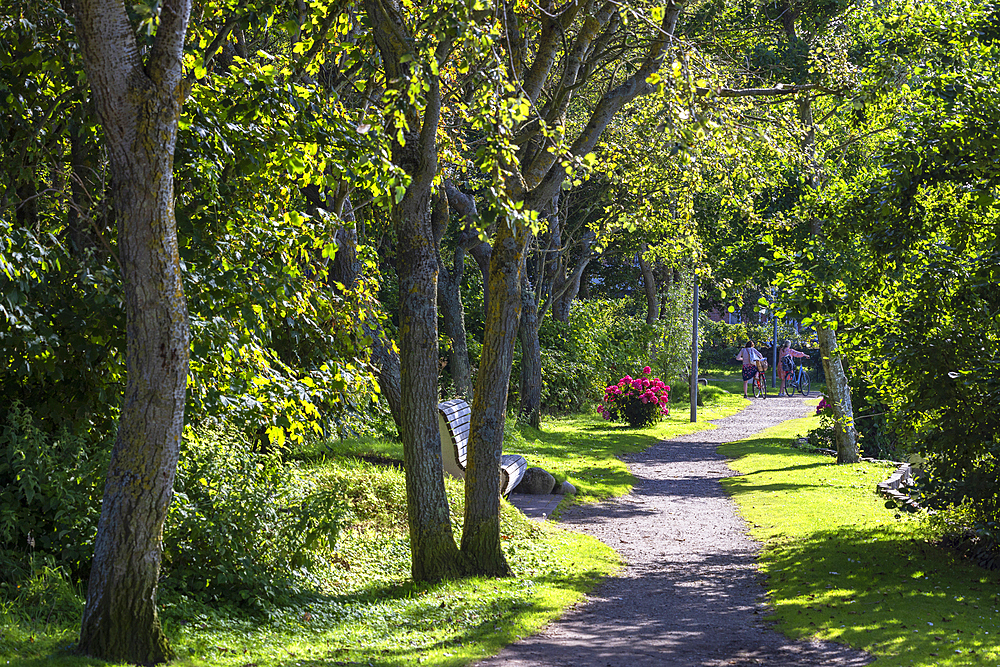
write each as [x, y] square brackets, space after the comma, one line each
[748, 356]
[786, 355]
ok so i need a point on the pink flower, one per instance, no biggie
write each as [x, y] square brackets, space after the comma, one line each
[647, 370]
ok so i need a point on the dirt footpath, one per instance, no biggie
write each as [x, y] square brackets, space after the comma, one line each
[691, 594]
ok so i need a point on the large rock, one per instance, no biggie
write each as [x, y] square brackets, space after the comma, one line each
[536, 481]
[565, 489]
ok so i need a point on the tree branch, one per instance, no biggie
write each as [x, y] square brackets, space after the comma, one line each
[165, 65]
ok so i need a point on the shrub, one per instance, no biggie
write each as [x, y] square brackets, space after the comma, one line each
[50, 491]
[39, 588]
[601, 340]
[242, 524]
[571, 353]
[639, 401]
[964, 529]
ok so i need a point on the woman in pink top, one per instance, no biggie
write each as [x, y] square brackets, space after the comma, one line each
[787, 365]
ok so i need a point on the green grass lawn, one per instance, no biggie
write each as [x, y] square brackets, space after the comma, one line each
[841, 566]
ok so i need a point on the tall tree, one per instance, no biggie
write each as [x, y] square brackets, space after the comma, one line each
[415, 150]
[138, 100]
[541, 172]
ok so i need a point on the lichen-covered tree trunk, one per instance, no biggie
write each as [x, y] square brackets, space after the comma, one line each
[481, 533]
[139, 105]
[434, 554]
[432, 543]
[530, 387]
[839, 394]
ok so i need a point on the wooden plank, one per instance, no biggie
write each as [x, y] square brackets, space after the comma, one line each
[462, 432]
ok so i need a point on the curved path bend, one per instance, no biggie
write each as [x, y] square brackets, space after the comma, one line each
[690, 594]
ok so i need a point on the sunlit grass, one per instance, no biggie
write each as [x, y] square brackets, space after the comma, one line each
[843, 567]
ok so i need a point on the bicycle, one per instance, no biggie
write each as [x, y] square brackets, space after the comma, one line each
[799, 380]
[759, 384]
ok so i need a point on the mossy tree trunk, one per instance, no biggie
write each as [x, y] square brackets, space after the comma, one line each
[139, 105]
[481, 533]
[542, 179]
[432, 543]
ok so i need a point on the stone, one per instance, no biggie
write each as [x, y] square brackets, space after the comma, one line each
[536, 481]
[565, 489]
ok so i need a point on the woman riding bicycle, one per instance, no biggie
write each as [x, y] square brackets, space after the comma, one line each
[787, 365]
[748, 355]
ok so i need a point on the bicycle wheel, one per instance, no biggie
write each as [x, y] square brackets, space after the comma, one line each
[804, 384]
[759, 390]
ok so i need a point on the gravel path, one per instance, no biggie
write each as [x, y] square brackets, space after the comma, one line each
[690, 594]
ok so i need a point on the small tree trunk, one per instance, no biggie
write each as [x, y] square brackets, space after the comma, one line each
[450, 296]
[465, 205]
[530, 388]
[649, 283]
[346, 269]
[78, 217]
[839, 393]
[481, 535]
[453, 316]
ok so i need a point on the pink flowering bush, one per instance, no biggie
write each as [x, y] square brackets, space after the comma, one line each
[823, 405]
[640, 401]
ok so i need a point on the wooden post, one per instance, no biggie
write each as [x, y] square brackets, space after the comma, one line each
[694, 353]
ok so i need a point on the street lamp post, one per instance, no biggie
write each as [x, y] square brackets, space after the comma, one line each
[694, 352]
